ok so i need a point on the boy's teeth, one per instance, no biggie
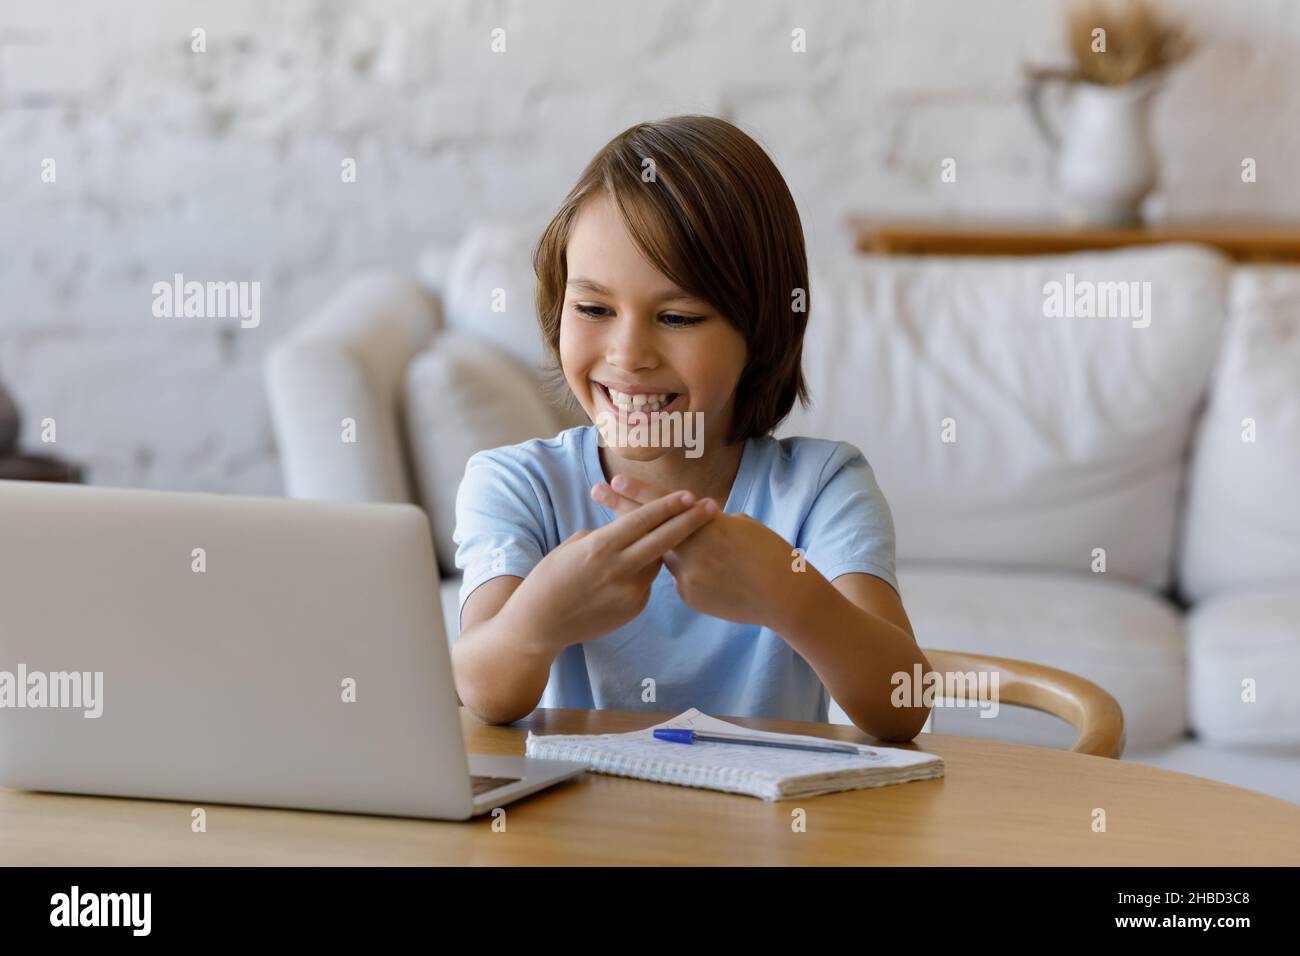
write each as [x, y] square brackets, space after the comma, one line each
[649, 403]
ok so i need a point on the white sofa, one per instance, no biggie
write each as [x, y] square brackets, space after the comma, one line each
[1018, 452]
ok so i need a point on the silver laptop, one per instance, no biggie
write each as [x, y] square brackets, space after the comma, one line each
[262, 651]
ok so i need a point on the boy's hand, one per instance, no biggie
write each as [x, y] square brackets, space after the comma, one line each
[596, 581]
[732, 567]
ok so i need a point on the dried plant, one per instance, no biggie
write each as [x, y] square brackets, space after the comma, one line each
[1137, 40]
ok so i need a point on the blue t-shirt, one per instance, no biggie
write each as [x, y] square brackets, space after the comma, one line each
[519, 502]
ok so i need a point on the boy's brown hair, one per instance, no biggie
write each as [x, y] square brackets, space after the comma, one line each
[718, 220]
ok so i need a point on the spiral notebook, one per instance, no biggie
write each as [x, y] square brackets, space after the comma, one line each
[766, 772]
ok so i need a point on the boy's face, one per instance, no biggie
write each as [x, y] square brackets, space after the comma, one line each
[641, 334]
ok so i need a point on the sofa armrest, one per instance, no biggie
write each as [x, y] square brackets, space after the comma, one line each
[347, 361]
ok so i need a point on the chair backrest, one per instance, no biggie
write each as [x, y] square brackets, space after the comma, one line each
[1095, 714]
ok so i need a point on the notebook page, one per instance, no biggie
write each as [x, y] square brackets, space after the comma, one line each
[694, 720]
[640, 749]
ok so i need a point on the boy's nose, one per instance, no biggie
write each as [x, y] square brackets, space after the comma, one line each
[630, 346]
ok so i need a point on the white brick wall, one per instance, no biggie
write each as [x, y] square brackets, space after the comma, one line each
[225, 165]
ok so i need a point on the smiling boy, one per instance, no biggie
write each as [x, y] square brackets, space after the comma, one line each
[749, 580]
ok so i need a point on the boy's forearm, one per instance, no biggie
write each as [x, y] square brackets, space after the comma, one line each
[855, 653]
[500, 668]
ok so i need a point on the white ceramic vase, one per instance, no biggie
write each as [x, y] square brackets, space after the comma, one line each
[1104, 162]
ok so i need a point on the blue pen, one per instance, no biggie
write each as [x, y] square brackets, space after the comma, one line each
[691, 736]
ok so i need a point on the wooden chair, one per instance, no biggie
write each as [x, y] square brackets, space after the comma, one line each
[1090, 710]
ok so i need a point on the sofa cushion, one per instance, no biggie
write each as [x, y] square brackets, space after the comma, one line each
[490, 290]
[1243, 636]
[1070, 433]
[1242, 521]
[462, 396]
[1112, 633]
[348, 361]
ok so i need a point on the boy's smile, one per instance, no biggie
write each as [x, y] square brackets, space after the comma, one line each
[632, 343]
[623, 399]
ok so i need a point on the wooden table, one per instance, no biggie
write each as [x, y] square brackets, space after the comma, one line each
[998, 804]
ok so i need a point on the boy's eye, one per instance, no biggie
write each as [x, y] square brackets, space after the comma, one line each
[672, 319]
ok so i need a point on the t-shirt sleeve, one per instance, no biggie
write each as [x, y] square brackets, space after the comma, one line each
[499, 523]
[849, 527]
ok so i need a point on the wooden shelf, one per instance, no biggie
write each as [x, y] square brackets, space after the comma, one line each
[1240, 241]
